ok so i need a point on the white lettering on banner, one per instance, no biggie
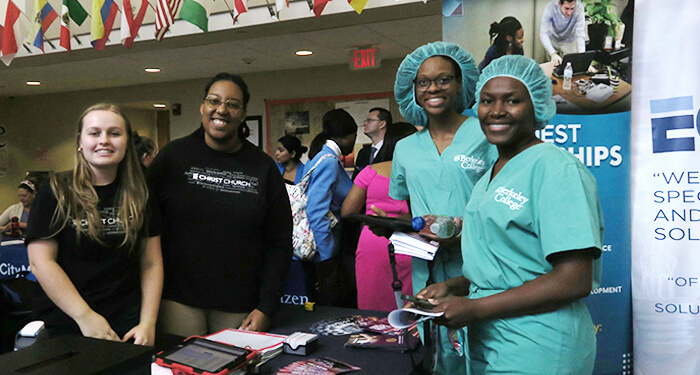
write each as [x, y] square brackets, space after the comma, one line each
[222, 181]
[291, 299]
[589, 155]
[469, 162]
[607, 290]
[8, 269]
[510, 198]
[607, 248]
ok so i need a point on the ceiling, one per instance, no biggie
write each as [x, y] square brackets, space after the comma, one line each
[395, 30]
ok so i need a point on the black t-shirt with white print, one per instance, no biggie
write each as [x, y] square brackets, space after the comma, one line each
[106, 275]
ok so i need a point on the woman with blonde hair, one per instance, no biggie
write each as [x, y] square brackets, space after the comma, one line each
[94, 252]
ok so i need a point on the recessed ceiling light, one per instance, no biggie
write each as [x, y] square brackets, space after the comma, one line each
[159, 105]
[152, 70]
[33, 83]
[304, 53]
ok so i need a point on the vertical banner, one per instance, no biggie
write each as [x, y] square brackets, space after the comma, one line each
[593, 123]
[666, 189]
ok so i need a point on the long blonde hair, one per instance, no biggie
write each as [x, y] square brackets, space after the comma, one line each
[77, 198]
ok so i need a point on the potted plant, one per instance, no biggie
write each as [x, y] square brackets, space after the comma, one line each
[602, 21]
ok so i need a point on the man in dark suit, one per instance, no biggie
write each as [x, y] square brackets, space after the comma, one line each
[377, 122]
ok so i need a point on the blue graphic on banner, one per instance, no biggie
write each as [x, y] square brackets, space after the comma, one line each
[602, 143]
[660, 126]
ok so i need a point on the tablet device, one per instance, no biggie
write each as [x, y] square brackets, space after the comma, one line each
[202, 356]
[384, 222]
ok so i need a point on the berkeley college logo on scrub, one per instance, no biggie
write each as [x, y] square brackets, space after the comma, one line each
[470, 162]
[510, 198]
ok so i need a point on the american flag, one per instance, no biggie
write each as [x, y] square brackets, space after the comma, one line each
[165, 16]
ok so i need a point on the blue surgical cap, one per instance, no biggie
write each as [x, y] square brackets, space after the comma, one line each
[405, 92]
[527, 71]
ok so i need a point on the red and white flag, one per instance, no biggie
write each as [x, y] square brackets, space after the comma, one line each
[319, 5]
[15, 30]
[130, 25]
[166, 10]
[239, 6]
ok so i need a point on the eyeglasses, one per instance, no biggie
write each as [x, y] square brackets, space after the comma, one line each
[442, 82]
[214, 102]
[368, 120]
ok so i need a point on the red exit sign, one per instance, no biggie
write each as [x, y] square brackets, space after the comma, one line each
[366, 58]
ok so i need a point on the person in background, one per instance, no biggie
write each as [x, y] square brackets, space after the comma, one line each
[436, 168]
[533, 233]
[329, 184]
[227, 223]
[93, 240]
[375, 126]
[146, 149]
[373, 271]
[507, 38]
[563, 29]
[26, 192]
[288, 158]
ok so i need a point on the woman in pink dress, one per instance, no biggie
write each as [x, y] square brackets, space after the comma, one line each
[372, 267]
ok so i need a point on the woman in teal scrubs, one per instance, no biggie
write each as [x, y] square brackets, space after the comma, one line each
[436, 168]
[533, 230]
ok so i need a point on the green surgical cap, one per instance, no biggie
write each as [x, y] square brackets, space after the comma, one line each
[406, 94]
[527, 71]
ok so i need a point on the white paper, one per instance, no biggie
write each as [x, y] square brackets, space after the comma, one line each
[404, 318]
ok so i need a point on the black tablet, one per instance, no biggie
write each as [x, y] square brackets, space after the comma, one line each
[384, 222]
[204, 356]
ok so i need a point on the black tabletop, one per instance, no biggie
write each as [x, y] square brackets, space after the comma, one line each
[290, 319]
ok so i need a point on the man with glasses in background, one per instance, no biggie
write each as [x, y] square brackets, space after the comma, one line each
[377, 122]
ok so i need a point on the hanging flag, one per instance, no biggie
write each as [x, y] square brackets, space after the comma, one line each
[319, 5]
[103, 14]
[14, 32]
[44, 15]
[281, 4]
[194, 12]
[239, 6]
[165, 16]
[71, 10]
[130, 25]
[358, 5]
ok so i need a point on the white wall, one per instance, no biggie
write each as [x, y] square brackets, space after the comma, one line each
[41, 129]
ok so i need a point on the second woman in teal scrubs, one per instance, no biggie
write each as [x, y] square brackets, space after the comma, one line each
[533, 232]
[436, 168]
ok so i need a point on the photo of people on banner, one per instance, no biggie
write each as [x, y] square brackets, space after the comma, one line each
[584, 47]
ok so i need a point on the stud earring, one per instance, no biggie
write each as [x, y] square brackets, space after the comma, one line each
[80, 149]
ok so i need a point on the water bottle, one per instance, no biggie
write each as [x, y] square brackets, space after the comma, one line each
[568, 74]
[444, 227]
[440, 226]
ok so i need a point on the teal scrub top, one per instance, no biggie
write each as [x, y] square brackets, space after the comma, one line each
[542, 202]
[441, 184]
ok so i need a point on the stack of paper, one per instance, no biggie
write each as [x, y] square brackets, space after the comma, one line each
[412, 244]
[266, 345]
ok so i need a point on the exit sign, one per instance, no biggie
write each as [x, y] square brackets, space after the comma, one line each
[366, 58]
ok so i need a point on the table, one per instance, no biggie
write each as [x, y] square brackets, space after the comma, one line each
[584, 105]
[14, 260]
[290, 319]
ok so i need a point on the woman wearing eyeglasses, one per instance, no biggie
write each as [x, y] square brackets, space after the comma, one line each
[436, 168]
[227, 221]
